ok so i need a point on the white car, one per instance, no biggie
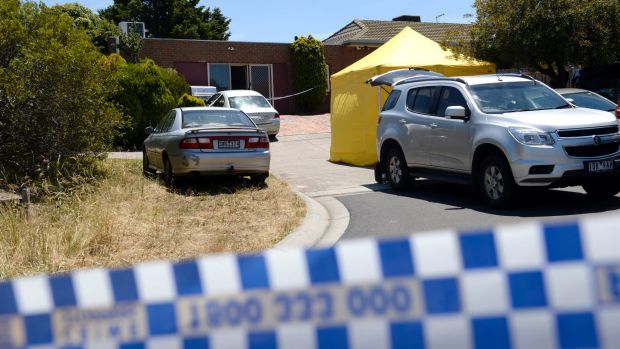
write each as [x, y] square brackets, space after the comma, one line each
[253, 104]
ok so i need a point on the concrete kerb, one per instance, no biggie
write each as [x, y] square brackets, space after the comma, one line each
[325, 222]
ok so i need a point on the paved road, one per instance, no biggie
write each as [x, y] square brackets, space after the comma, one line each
[375, 210]
[433, 205]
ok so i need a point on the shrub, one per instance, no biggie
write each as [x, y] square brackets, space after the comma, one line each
[190, 101]
[309, 71]
[144, 98]
[55, 109]
[175, 82]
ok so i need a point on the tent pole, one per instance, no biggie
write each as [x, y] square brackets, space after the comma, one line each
[379, 98]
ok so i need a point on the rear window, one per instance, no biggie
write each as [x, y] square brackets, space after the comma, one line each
[215, 118]
[240, 102]
[390, 102]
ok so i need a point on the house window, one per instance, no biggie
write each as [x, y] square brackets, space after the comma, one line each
[219, 76]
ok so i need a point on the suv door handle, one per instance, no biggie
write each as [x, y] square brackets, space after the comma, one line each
[433, 125]
[402, 121]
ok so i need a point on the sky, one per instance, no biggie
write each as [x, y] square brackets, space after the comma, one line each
[282, 20]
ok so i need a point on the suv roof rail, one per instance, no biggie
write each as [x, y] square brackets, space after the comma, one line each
[520, 75]
[422, 78]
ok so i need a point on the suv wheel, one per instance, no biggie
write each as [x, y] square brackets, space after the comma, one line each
[396, 170]
[497, 185]
[602, 189]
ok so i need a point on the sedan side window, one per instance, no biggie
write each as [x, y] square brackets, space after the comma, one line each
[162, 123]
[166, 122]
[219, 102]
[450, 97]
[212, 99]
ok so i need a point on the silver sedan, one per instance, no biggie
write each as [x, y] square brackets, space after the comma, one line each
[206, 141]
[253, 104]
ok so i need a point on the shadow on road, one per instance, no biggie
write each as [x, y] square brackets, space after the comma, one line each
[534, 202]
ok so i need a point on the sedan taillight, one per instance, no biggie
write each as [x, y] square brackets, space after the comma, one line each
[618, 112]
[196, 143]
[257, 142]
[276, 116]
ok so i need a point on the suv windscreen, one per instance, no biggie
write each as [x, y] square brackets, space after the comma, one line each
[508, 97]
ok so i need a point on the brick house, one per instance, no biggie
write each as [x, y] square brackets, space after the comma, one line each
[267, 67]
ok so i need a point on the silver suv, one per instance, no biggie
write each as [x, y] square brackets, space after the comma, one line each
[497, 133]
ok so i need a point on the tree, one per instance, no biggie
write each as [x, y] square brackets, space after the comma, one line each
[309, 72]
[131, 45]
[546, 35]
[182, 19]
[144, 97]
[55, 89]
[99, 29]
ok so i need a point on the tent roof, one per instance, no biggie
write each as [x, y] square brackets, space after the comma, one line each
[408, 49]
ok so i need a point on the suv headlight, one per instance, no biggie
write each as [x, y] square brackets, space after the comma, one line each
[531, 136]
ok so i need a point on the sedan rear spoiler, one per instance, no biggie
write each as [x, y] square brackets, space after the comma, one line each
[223, 129]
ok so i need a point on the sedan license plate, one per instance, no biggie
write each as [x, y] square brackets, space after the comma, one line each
[229, 144]
[600, 166]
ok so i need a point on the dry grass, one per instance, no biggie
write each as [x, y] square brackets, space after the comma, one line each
[127, 218]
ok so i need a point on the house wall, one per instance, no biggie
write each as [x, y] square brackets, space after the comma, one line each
[191, 58]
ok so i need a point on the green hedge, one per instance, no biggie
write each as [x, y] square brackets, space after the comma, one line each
[309, 71]
[190, 101]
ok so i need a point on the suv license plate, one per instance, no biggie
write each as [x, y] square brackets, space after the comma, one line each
[600, 166]
[228, 144]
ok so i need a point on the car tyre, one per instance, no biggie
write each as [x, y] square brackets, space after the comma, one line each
[602, 189]
[168, 176]
[397, 171]
[259, 179]
[378, 173]
[146, 170]
[496, 183]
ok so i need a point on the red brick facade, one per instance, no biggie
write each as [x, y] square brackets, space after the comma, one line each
[191, 58]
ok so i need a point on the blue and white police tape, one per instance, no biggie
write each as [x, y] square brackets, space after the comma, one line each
[522, 286]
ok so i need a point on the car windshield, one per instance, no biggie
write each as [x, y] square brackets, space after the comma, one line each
[508, 97]
[241, 102]
[590, 100]
[215, 118]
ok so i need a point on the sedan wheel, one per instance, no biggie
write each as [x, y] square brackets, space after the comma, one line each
[168, 177]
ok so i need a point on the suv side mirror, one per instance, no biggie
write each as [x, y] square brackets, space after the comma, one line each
[456, 112]
[149, 130]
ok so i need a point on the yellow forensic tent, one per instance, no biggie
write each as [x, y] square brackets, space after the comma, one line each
[354, 104]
